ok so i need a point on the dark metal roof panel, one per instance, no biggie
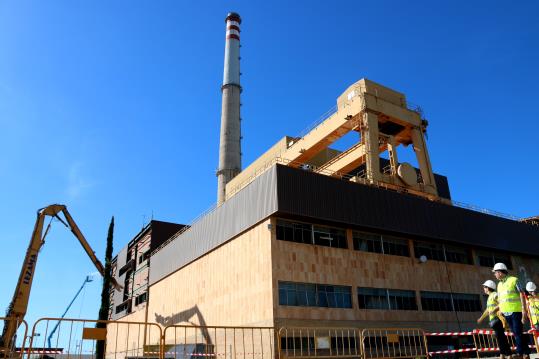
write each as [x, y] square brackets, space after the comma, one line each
[319, 197]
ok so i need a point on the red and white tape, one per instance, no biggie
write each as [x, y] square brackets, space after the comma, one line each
[448, 334]
[452, 351]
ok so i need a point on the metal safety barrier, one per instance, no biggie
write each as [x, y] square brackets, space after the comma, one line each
[17, 347]
[478, 341]
[485, 341]
[304, 343]
[394, 343]
[191, 342]
[82, 338]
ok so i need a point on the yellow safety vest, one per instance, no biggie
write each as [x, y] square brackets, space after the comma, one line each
[534, 310]
[492, 302]
[508, 295]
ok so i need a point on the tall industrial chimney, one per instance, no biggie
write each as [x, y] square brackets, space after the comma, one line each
[230, 141]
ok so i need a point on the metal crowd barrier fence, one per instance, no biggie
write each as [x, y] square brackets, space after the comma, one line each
[394, 343]
[79, 338]
[478, 341]
[306, 342]
[16, 349]
[485, 341]
[192, 342]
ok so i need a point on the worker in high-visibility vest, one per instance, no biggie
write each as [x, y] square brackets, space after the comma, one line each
[496, 320]
[512, 304]
[533, 304]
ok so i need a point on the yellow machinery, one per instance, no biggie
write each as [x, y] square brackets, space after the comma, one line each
[19, 304]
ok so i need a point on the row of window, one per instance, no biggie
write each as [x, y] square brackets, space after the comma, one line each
[311, 234]
[315, 295]
[385, 244]
[333, 296]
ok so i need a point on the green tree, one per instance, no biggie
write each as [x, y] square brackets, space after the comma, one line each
[105, 292]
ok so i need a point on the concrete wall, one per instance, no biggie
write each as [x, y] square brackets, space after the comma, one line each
[228, 286]
[297, 262]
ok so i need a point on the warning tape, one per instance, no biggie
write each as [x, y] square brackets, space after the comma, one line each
[43, 352]
[451, 351]
[210, 354]
[449, 334]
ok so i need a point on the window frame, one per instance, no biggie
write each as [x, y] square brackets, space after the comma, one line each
[324, 295]
[388, 294]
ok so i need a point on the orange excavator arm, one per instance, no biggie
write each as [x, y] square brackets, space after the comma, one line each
[19, 304]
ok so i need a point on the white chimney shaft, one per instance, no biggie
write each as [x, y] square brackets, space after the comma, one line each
[230, 141]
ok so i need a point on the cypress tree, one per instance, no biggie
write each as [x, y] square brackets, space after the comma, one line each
[105, 292]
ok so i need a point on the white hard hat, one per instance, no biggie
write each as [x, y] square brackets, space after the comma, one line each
[490, 284]
[531, 287]
[499, 266]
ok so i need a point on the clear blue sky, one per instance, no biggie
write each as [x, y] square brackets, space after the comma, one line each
[113, 107]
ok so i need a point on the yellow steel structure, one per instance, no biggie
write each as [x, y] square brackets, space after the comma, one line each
[384, 121]
[19, 303]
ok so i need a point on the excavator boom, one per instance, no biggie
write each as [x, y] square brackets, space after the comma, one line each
[19, 303]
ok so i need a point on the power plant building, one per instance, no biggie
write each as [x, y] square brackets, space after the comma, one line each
[310, 236]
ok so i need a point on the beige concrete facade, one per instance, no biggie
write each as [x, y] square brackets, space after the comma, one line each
[231, 285]
[297, 262]
[237, 284]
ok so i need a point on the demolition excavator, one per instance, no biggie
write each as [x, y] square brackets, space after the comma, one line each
[19, 304]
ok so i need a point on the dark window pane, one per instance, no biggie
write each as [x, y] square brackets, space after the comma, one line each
[372, 298]
[293, 231]
[433, 251]
[314, 295]
[402, 299]
[436, 301]
[395, 246]
[488, 259]
[485, 261]
[457, 254]
[467, 302]
[282, 297]
[329, 237]
[367, 242]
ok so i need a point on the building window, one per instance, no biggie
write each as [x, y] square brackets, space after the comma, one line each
[432, 251]
[329, 237]
[442, 252]
[314, 295]
[141, 298]
[369, 242]
[461, 302]
[372, 298]
[457, 254]
[124, 306]
[395, 246]
[309, 234]
[402, 299]
[488, 259]
[436, 301]
[392, 299]
[294, 232]
[467, 302]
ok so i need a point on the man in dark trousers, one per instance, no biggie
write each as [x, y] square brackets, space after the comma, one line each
[513, 306]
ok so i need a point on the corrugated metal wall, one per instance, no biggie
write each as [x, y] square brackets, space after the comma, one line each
[249, 206]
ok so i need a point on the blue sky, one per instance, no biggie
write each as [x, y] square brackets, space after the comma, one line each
[113, 107]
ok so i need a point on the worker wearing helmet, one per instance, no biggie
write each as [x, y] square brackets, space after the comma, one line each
[533, 303]
[513, 306]
[496, 320]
